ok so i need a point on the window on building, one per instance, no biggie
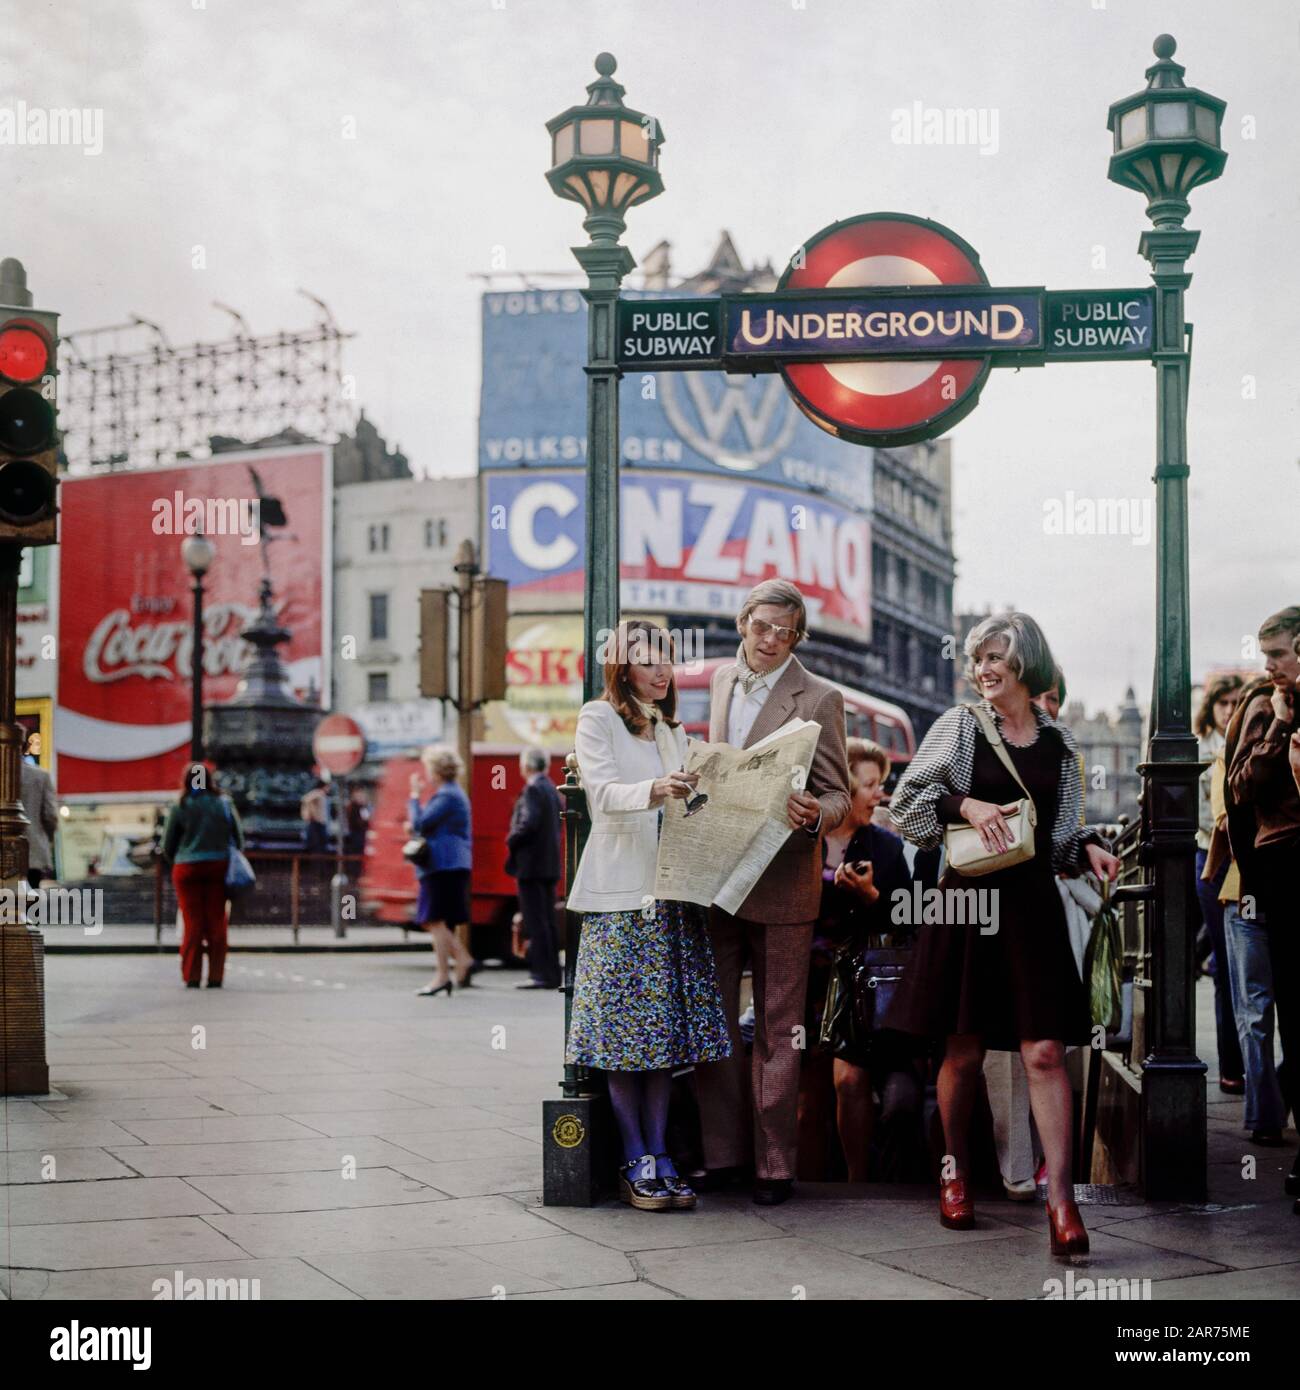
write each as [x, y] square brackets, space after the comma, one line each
[435, 533]
[377, 687]
[379, 617]
[378, 537]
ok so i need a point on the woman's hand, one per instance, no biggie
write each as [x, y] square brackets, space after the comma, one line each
[417, 785]
[677, 786]
[1103, 864]
[1293, 756]
[846, 876]
[990, 821]
[1283, 699]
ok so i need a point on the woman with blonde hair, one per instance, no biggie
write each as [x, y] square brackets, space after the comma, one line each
[443, 822]
[645, 997]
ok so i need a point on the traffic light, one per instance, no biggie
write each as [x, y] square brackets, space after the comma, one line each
[488, 639]
[28, 427]
[435, 682]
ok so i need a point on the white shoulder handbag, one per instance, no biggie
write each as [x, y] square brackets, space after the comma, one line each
[962, 845]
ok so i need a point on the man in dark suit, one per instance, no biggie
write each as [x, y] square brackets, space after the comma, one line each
[533, 842]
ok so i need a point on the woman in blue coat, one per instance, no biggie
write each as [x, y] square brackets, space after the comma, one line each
[443, 821]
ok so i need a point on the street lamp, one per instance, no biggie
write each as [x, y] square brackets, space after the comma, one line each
[604, 156]
[1166, 142]
[197, 553]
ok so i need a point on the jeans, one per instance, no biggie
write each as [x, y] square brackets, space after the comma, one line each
[1225, 1027]
[1275, 880]
[1250, 975]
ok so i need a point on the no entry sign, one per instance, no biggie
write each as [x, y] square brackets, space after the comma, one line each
[896, 401]
[339, 744]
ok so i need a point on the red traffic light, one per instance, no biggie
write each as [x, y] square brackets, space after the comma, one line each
[24, 352]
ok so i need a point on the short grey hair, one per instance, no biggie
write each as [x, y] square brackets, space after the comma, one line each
[780, 593]
[535, 759]
[1028, 655]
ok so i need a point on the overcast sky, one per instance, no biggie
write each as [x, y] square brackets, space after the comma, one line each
[225, 126]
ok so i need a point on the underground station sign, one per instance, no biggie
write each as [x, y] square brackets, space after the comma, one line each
[885, 329]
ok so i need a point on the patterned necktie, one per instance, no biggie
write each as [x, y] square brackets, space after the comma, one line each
[748, 680]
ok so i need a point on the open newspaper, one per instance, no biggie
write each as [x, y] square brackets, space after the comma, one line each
[720, 852]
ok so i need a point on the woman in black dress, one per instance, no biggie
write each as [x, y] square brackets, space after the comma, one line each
[1014, 987]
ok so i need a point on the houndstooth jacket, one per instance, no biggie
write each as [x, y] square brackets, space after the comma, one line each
[944, 765]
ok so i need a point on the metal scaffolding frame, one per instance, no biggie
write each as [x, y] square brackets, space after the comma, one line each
[125, 402]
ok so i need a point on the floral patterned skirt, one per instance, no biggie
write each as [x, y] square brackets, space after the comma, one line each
[645, 991]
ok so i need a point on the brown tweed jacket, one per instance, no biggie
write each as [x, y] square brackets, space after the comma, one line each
[790, 889]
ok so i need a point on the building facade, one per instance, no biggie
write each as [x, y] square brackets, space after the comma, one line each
[1111, 746]
[392, 538]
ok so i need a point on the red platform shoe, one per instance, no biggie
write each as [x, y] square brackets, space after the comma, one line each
[956, 1209]
[1065, 1226]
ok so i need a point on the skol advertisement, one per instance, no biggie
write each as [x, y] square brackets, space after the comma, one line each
[543, 683]
[122, 725]
[534, 409]
[688, 545]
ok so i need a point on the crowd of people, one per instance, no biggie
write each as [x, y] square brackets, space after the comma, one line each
[857, 1001]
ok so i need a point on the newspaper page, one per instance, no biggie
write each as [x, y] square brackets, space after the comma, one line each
[717, 855]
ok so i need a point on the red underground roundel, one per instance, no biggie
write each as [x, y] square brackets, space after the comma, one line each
[886, 402]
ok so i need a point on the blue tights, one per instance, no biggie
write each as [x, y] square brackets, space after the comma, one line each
[640, 1101]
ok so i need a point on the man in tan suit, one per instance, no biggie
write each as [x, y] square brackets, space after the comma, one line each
[750, 1108]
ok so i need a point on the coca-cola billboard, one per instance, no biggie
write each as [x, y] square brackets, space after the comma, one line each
[126, 617]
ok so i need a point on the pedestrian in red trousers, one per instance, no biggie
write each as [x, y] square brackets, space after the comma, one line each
[196, 842]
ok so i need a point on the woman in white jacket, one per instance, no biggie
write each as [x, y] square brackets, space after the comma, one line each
[646, 994]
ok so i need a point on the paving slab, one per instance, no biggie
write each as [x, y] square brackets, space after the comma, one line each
[370, 1187]
[1021, 1266]
[394, 1124]
[145, 1087]
[113, 1199]
[424, 1225]
[563, 1260]
[787, 1268]
[217, 1129]
[261, 1156]
[66, 1134]
[135, 1108]
[396, 1082]
[865, 1227]
[111, 1071]
[29, 1165]
[634, 1293]
[479, 1177]
[313, 1102]
[624, 1228]
[275, 1280]
[1262, 1282]
[459, 1145]
[104, 1244]
[440, 1273]
[1264, 1233]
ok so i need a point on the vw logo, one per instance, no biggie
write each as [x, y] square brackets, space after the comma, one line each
[733, 421]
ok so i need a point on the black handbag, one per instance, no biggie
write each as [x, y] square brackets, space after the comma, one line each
[863, 983]
[416, 851]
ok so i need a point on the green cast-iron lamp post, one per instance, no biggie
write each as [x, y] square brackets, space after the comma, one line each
[1166, 142]
[604, 156]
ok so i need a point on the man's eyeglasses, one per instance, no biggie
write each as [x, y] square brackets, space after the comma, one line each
[784, 635]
